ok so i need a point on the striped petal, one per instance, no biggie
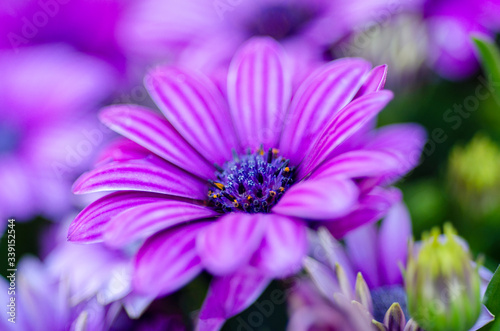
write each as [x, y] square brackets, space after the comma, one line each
[372, 207]
[194, 106]
[375, 81]
[259, 89]
[230, 242]
[121, 149]
[283, 248]
[88, 225]
[346, 123]
[230, 295]
[147, 175]
[156, 134]
[318, 199]
[145, 220]
[356, 164]
[317, 100]
[168, 260]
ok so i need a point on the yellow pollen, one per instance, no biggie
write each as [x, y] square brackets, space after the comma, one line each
[275, 151]
[220, 186]
[282, 189]
[272, 193]
[235, 203]
[287, 169]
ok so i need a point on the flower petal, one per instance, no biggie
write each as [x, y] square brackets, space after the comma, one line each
[168, 260]
[394, 233]
[156, 134]
[88, 226]
[346, 123]
[230, 295]
[318, 199]
[372, 207]
[147, 175]
[194, 106]
[375, 81]
[283, 248]
[356, 164]
[121, 149]
[230, 242]
[317, 100]
[145, 220]
[259, 88]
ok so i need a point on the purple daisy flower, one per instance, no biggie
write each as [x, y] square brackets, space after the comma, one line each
[230, 181]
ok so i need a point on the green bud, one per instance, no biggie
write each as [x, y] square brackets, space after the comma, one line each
[442, 286]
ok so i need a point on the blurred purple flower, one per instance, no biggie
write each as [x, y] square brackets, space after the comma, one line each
[87, 25]
[244, 219]
[46, 133]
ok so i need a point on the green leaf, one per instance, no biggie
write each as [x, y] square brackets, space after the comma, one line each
[492, 296]
[490, 60]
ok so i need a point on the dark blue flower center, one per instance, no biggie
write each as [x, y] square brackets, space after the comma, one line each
[9, 138]
[281, 21]
[251, 183]
[383, 297]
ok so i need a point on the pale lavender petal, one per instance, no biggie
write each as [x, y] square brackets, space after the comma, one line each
[323, 277]
[361, 246]
[231, 241]
[372, 207]
[145, 220]
[147, 175]
[194, 106]
[358, 163]
[375, 81]
[484, 318]
[318, 199]
[88, 225]
[346, 123]
[168, 260]
[317, 100]
[230, 295]
[283, 248]
[259, 88]
[156, 134]
[394, 234]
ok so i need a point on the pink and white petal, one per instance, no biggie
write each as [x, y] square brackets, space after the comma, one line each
[372, 207]
[356, 164]
[394, 234]
[168, 260]
[230, 295]
[156, 134]
[88, 226]
[407, 140]
[375, 81]
[318, 199]
[361, 246]
[283, 248]
[345, 124]
[230, 242]
[259, 88]
[143, 221]
[196, 108]
[147, 175]
[317, 100]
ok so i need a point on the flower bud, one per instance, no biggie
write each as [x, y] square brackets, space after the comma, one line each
[442, 286]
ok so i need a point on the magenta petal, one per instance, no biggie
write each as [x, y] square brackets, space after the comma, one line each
[361, 246]
[156, 134]
[346, 123]
[318, 199]
[372, 207]
[230, 295]
[394, 234]
[147, 175]
[317, 100]
[230, 242]
[121, 149]
[259, 88]
[88, 225]
[145, 220]
[194, 106]
[374, 82]
[283, 248]
[358, 163]
[168, 260]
